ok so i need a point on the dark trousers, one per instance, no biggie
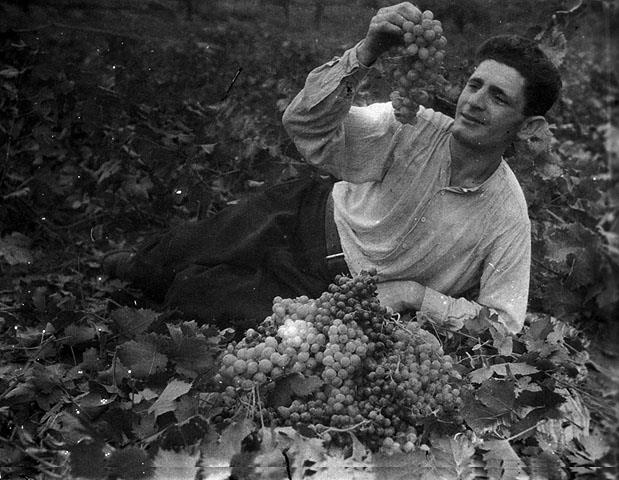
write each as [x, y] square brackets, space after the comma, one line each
[226, 269]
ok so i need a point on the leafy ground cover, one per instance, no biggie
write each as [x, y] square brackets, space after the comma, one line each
[117, 124]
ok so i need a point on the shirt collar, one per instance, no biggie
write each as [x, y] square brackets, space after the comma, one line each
[482, 187]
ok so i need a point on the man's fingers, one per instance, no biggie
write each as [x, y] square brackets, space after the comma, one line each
[391, 17]
[405, 11]
[388, 28]
[409, 11]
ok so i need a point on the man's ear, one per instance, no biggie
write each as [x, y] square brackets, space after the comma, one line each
[535, 126]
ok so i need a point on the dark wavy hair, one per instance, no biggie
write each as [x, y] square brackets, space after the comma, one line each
[542, 79]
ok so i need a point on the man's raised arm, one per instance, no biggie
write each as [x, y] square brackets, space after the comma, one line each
[352, 143]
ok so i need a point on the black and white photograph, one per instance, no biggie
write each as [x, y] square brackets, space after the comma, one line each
[309, 239]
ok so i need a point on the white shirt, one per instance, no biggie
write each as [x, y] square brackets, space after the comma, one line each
[394, 208]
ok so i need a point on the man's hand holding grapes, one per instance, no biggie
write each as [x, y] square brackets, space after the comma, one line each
[386, 30]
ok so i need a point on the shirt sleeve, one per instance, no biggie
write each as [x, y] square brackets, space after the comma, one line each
[351, 143]
[504, 285]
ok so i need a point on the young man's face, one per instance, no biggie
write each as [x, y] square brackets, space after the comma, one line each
[489, 111]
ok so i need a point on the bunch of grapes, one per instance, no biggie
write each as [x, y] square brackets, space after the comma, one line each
[379, 377]
[415, 66]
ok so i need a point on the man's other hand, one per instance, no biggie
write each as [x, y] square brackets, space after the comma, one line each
[385, 30]
[401, 295]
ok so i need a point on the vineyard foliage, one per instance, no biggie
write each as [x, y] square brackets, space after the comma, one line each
[117, 124]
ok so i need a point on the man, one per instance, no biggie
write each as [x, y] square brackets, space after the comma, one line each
[433, 207]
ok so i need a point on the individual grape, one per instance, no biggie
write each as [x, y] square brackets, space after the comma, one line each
[265, 366]
[239, 366]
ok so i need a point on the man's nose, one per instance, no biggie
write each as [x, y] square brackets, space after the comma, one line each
[478, 99]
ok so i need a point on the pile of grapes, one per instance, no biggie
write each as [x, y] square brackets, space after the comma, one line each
[415, 66]
[378, 377]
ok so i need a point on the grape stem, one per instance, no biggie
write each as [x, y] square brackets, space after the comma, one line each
[514, 437]
[257, 393]
[348, 429]
[251, 405]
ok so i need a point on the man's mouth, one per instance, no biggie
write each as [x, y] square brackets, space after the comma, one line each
[472, 119]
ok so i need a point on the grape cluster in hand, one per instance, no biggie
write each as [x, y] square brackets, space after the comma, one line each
[415, 66]
[379, 378]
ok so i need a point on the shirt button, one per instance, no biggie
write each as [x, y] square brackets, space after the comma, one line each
[423, 219]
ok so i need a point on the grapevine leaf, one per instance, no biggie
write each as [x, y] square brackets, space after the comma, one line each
[540, 327]
[165, 402]
[141, 358]
[479, 417]
[303, 452]
[132, 322]
[482, 374]
[115, 374]
[546, 466]
[208, 148]
[15, 249]
[171, 465]
[90, 360]
[294, 384]
[192, 352]
[541, 398]
[502, 462]
[92, 402]
[242, 465]
[502, 340]
[46, 378]
[146, 394]
[73, 429]
[594, 445]
[10, 455]
[441, 462]
[76, 334]
[514, 368]
[482, 322]
[335, 465]
[554, 46]
[268, 463]
[558, 433]
[306, 385]
[584, 268]
[130, 463]
[526, 427]
[453, 454]
[185, 434]
[498, 395]
[359, 451]
[146, 426]
[217, 453]
[562, 300]
[22, 393]
[186, 407]
[87, 460]
[572, 238]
